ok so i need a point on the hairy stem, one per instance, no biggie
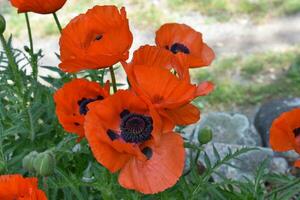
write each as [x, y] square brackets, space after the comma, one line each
[113, 79]
[33, 60]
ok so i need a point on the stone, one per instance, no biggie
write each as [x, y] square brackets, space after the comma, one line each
[226, 128]
[270, 111]
[246, 164]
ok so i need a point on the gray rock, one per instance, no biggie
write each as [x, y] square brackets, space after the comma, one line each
[229, 129]
[246, 164]
[279, 165]
[270, 111]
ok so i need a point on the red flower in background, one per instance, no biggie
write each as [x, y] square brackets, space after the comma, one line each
[182, 39]
[16, 187]
[151, 79]
[127, 134]
[38, 6]
[285, 132]
[72, 100]
[98, 39]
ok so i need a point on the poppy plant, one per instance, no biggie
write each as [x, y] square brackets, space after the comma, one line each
[167, 92]
[72, 100]
[285, 132]
[97, 39]
[38, 6]
[17, 187]
[127, 135]
[182, 39]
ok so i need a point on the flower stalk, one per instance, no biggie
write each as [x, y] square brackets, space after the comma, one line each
[57, 22]
[113, 79]
[33, 56]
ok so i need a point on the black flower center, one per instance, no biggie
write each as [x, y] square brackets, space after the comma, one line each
[84, 102]
[135, 128]
[296, 131]
[178, 47]
[98, 37]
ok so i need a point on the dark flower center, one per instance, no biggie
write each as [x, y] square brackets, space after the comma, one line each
[99, 37]
[178, 47]
[296, 131]
[147, 151]
[135, 128]
[84, 102]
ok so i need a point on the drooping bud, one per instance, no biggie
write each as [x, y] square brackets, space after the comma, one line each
[2, 24]
[205, 136]
[28, 161]
[44, 164]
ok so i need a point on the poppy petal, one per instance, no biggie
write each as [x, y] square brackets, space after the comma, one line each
[281, 138]
[161, 171]
[164, 89]
[38, 6]
[205, 88]
[297, 163]
[184, 115]
[97, 39]
[182, 39]
[69, 111]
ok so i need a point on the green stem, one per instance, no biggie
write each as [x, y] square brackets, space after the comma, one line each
[57, 22]
[33, 60]
[29, 32]
[12, 65]
[278, 190]
[113, 79]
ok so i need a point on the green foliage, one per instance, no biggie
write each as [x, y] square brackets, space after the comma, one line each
[28, 123]
[250, 79]
[223, 10]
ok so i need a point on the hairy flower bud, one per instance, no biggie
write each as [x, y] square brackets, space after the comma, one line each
[28, 161]
[205, 136]
[2, 24]
[44, 164]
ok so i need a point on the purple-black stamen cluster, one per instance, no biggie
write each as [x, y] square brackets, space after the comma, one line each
[296, 131]
[177, 47]
[83, 109]
[135, 128]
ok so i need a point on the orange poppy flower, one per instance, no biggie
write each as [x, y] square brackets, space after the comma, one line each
[17, 187]
[127, 134]
[167, 92]
[285, 132]
[97, 39]
[71, 103]
[156, 56]
[182, 39]
[38, 6]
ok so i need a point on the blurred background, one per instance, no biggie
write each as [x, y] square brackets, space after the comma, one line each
[256, 43]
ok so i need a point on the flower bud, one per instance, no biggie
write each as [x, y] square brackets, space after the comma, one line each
[205, 136]
[26, 48]
[2, 24]
[28, 161]
[44, 164]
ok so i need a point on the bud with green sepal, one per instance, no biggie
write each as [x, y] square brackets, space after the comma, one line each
[2, 24]
[205, 135]
[28, 161]
[45, 163]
